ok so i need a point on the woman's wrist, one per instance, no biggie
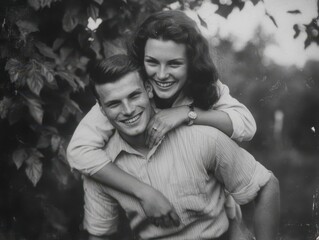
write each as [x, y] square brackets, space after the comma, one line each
[184, 114]
[143, 191]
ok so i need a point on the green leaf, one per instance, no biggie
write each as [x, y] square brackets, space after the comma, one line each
[65, 52]
[19, 156]
[64, 115]
[34, 166]
[62, 154]
[55, 142]
[47, 74]
[45, 50]
[58, 43]
[35, 4]
[69, 21]
[27, 27]
[73, 107]
[67, 76]
[61, 171]
[93, 11]
[5, 105]
[56, 219]
[13, 66]
[47, 3]
[98, 1]
[35, 109]
[44, 140]
[35, 83]
[16, 112]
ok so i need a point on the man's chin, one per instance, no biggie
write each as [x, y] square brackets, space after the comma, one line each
[133, 132]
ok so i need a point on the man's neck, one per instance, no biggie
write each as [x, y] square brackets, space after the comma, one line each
[137, 142]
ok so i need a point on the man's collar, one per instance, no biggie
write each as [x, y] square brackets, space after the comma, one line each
[117, 144]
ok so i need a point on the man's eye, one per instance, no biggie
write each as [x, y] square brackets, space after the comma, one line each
[112, 105]
[136, 95]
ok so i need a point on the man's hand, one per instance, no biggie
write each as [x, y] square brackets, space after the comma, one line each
[164, 121]
[158, 209]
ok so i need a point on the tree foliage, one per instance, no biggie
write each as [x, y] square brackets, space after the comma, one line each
[45, 46]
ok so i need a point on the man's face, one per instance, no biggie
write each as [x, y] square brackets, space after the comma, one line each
[126, 104]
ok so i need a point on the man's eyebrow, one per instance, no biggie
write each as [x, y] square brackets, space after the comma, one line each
[111, 102]
[139, 90]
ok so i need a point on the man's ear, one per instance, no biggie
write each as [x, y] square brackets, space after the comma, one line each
[102, 110]
[149, 89]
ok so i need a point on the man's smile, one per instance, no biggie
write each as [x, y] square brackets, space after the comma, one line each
[132, 120]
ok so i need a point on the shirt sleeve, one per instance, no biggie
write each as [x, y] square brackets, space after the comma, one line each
[244, 124]
[101, 211]
[86, 151]
[237, 169]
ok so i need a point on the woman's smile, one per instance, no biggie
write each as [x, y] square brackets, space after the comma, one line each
[166, 66]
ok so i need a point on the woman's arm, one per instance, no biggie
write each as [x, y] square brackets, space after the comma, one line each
[168, 119]
[228, 115]
[86, 153]
[242, 121]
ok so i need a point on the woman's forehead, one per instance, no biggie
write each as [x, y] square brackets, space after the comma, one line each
[164, 49]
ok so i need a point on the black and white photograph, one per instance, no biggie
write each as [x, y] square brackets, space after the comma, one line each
[159, 119]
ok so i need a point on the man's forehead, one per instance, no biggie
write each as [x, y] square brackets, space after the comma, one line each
[122, 86]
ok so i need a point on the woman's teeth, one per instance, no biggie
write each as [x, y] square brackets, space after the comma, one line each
[132, 120]
[164, 84]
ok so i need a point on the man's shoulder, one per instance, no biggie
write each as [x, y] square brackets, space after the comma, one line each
[204, 132]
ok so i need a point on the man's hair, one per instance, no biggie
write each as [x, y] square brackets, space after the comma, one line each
[178, 27]
[110, 70]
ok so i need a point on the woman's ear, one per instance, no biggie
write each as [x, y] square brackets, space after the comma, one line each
[149, 89]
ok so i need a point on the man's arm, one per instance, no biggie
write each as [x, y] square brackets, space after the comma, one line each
[267, 210]
[247, 180]
[92, 237]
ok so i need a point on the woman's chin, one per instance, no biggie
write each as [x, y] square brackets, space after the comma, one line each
[165, 95]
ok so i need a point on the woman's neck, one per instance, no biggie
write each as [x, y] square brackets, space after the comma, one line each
[165, 103]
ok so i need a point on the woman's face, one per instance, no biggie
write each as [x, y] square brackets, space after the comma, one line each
[166, 66]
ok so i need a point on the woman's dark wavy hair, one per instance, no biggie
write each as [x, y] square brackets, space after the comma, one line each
[178, 27]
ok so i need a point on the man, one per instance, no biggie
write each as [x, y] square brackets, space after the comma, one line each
[192, 167]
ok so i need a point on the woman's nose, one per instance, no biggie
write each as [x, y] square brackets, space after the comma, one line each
[162, 73]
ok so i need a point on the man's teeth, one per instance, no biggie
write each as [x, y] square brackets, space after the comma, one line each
[161, 84]
[131, 120]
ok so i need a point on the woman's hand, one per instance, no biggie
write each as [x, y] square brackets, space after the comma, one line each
[158, 209]
[164, 121]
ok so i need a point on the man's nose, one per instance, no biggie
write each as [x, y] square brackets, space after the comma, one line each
[128, 108]
[162, 73]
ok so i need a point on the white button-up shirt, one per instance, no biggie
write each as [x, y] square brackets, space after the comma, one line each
[192, 167]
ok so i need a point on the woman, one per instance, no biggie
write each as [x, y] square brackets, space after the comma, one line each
[177, 63]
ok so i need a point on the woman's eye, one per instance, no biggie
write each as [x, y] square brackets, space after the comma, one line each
[150, 62]
[176, 65]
